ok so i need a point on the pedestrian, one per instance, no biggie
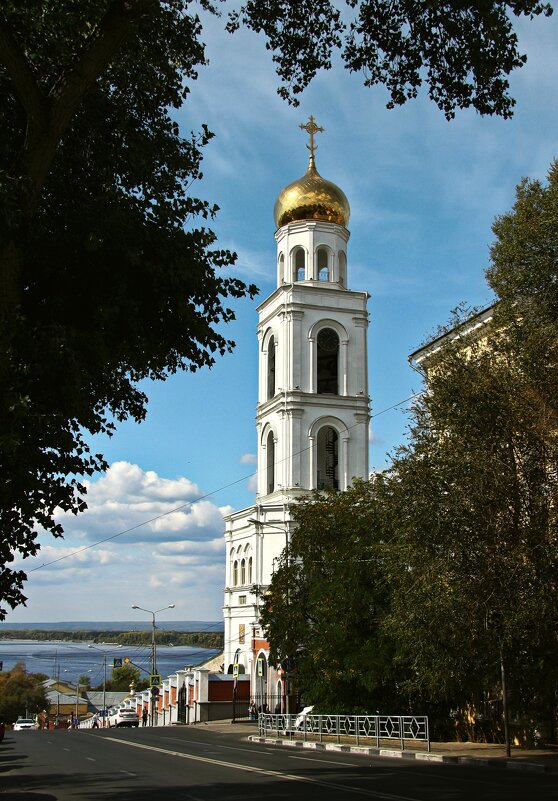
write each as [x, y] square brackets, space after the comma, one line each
[144, 717]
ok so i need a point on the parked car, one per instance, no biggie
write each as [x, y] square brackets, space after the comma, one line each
[122, 717]
[22, 724]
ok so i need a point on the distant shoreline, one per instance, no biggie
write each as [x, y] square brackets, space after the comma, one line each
[119, 625]
[200, 639]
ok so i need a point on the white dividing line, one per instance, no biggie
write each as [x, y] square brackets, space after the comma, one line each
[325, 762]
[90, 759]
[276, 774]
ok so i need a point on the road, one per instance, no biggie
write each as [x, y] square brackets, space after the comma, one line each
[199, 764]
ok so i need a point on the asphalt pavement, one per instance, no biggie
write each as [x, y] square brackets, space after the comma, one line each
[537, 760]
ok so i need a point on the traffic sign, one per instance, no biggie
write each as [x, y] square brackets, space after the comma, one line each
[117, 662]
[154, 691]
[154, 679]
[235, 670]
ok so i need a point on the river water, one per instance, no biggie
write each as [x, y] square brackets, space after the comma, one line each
[70, 660]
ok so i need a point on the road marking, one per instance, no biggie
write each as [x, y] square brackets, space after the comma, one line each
[90, 759]
[276, 774]
[326, 761]
[128, 772]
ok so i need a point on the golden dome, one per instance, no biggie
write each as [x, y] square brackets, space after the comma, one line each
[311, 198]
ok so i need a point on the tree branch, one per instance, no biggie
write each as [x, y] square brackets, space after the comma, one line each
[26, 88]
[43, 137]
[68, 91]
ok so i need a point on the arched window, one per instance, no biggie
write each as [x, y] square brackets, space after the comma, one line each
[299, 265]
[322, 263]
[250, 570]
[271, 368]
[327, 360]
[270, 472]
[235, 573]
[342, 268]
[243, 572]
[328, 459]
[281, 268]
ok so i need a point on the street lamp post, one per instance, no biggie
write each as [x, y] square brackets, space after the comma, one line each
[153, 645]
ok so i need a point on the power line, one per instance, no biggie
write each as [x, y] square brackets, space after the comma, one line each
[201, 498]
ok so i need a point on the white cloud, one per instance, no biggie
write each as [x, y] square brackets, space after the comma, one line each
[140, 506]
[248, 458]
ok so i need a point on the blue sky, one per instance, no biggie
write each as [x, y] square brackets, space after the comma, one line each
[423, 195]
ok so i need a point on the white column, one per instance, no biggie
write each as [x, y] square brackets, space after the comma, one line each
[345, 444]
[312, 364]
[312, 462]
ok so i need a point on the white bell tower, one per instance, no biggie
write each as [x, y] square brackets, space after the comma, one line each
[313, 407]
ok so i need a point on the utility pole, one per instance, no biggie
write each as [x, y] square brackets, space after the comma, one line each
[505, 709]
[104, 689]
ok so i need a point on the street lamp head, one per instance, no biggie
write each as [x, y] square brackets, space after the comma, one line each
[172, 606]
[135, 606]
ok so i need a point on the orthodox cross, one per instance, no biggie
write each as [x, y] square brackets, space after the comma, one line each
[312, 129]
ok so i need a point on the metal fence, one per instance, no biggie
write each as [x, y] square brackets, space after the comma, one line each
[250, 709]
[360, 728]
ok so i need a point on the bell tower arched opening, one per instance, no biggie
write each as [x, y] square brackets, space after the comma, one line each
[299, 266]
[270, 462]
[327, 461]
[271, 368]
[322, 264]
[327, 362]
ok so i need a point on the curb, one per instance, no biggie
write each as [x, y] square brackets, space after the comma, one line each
[418, 756]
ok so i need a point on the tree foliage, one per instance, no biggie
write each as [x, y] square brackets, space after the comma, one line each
[462, 51]
[21, 694]
[105, 280]
[84, 681]
[122, 677]
[326, 601]
[108, 271]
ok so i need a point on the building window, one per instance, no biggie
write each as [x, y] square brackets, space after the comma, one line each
[243, 572]
[241, 634]
[235, 573]
[327, 362]
[250, 570]
[299, 265]
[328, 459]
[271, 368]
[242, 600]
[323, 269]
[270, 472]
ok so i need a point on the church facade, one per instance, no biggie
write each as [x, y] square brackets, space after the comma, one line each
[312, 414]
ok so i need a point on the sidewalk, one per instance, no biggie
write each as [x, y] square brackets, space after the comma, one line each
[536, 760]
